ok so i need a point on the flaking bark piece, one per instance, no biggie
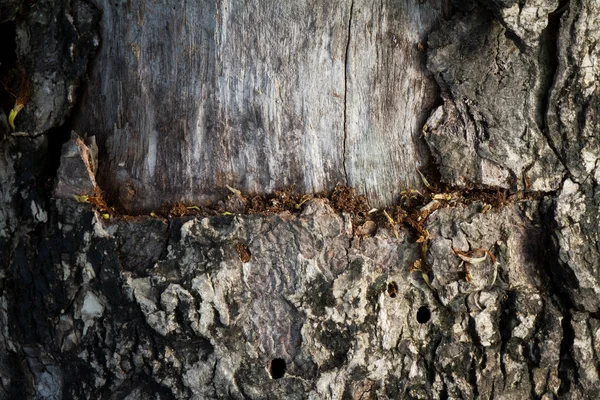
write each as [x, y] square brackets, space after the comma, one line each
[75, 176]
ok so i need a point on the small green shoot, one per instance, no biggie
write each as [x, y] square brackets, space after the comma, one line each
[82, 198]
[22, 99]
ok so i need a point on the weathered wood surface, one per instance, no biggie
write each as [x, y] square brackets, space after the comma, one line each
[187, 98]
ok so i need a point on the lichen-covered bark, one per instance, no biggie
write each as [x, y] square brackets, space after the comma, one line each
[198, 322]
[490, 130]
[574, 120]
[311, 305]
[55, 40]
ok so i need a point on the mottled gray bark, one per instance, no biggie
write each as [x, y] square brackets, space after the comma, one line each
[455, 300]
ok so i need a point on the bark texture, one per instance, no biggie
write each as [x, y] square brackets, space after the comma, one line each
[497, 303]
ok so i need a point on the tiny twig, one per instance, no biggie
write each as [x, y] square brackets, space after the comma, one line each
[8, 90]
[391, 221]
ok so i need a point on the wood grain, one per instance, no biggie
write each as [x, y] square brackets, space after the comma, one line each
[389, 96]
[187, 98]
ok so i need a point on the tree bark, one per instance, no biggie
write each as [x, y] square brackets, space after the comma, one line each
[483, 283]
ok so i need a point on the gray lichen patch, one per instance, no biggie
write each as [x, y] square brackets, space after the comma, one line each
[527, 19]
[576, 216]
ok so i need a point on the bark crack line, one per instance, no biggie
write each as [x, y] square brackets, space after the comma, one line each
[213, 375]
[346, 56]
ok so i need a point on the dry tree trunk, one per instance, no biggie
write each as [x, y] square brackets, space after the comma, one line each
[481, 281]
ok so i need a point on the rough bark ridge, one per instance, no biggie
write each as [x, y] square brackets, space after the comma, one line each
[504, 305]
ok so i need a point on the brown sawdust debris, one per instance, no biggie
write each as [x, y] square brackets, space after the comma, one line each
[410, 212]
[243, 252]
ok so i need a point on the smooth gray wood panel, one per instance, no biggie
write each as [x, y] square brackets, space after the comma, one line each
[389, 95]
[188, 97]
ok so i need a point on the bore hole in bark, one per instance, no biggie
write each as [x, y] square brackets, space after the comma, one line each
[392, 289]
[423, 315]
[277, 368]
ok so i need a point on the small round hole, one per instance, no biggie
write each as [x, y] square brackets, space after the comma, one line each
[423, 315]
[392, 289]
[277, 368]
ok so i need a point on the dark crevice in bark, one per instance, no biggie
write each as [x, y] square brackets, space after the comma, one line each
[56, 138]
[18, 380]
[429, 167]
[495, 15]
[60, 135]
[531, 353]
[505, 326]
[347, 55]
[8, 63]
[3, 389]
[212, 377]
[557, 281]
[429, 357]
[444, 393]
[473, 376]
[165, 252]
[507, 317]
[548, 60]
[428, 164]
[150, 389]
[240, 387]
[475, 355]
[566, 366]
[513, 37]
